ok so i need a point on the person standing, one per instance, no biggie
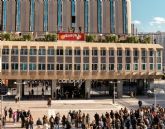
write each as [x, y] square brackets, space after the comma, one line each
[49, 102]
[31, 121]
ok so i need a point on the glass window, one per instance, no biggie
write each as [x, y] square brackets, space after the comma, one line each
[60, 52]
[85, 66]
[76, 66]
[119, 52]
[143, 52]
[68, 66]
[5, 66]
[135, 66]
[51, 51]
[127, 52]
[14, 51]
[5, 51]
[103, 52]
[151, 66]
[103, 66]
[42, 51]
[158, 53]
[59, 67]
[119, 66]
[86, 52]
[23, 66]
[135, 52]
[33, 51]
[50, 66]
[159, 66]
[111, 67]
[14, 66]
[143, 66]
[24, 51]
[94, 66]
[32, 66]
[111, 52]
[41, 66]
[151, 52]
[68, 52]
[127, 67]
[77, 52]
[94, 52]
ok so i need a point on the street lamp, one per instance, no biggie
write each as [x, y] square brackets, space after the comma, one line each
[8, 93]
[20, 83]
[114, 92]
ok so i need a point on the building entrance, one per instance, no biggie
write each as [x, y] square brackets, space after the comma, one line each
[71, 90]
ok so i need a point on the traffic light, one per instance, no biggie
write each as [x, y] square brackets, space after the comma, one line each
[3, 89]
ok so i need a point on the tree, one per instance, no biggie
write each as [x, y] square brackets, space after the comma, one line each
[90, 38]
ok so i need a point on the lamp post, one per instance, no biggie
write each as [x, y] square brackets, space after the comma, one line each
[114, 92]
[20, 83]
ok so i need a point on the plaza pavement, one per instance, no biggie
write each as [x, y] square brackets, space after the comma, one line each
[39, 108]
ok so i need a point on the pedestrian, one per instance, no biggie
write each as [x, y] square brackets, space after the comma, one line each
[49, 102]
[140, 103]
[31, 121]
[10, 113]
[39, 123]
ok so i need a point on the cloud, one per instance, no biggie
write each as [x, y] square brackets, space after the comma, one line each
[136, 22]
[157, 21]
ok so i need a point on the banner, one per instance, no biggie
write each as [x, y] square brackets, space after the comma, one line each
[71, 36]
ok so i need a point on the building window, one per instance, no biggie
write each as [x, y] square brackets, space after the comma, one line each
[68, 66]
[59, 52]
[127, 67]
[94, 66]
[158, 53]
[143, 52]
[151, 66]
[125, 19]
[76, 66]
[135, 67]
[103, 52]
[119, 66]
[68, 52]
[41, 66]
[159, 67]
[135, 52]
[151, 53]
[59, 14]
[119, 52]
[111, 52]
[32, 11]
[51, 51]
[32, 66]
[33, 51]
[14, 66]
[42, 51]
[86, 52]
[85, 67]
[73, 12]
[14, 51]
[23, 66]
[77, 52]
[18, 16]
[24, 51]
[5, 51]
[111, 67]
[127, 52]
[143, 66]
[103, 67]
[112, 16]
[94, 52]
[5, 66]
[99, 15]
[46, 15]
[50, 66]
[59, 67]
[86, 14]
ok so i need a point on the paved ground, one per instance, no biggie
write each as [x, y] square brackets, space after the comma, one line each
[39, 108]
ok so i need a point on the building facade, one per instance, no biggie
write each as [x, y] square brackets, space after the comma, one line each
[79, 64]
[89, 16]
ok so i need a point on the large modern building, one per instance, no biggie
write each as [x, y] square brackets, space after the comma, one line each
[79, 68]
[89, 16]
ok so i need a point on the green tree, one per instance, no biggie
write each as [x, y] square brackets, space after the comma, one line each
[90, 38]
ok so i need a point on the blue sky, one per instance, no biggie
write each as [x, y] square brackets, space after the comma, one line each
[149, 15]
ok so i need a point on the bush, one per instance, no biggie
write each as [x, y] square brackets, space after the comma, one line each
[90, 38]
[50, 37]
[26, 37]
[5, 36]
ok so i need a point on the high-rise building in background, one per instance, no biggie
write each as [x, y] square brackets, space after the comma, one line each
[89, 16]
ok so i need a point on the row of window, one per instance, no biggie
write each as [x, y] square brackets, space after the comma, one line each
[33, 66]
[77, 52]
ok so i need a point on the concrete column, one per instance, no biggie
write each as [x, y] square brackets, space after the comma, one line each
[107, 60]
[123, 59]
[147, 65]
[115, 63]
[19, 88]
[10, 58]
[132, 60]
[140, 60]
[120, 89]
[90, 60]
[87, 88]
[99, 60]
[54, 91]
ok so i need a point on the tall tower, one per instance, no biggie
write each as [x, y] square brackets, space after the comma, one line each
[129, 15]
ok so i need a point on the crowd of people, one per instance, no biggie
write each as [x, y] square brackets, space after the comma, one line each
[145, 117]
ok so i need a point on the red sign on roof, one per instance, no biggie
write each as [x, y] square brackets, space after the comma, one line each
[71, 36]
